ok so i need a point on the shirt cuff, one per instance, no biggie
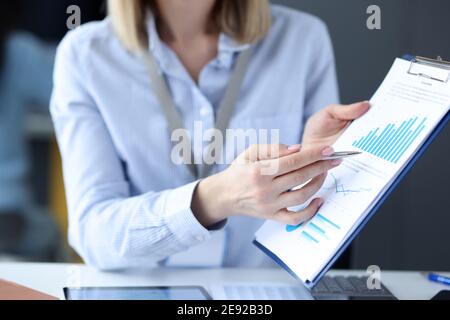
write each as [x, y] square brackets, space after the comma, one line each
[181, 220]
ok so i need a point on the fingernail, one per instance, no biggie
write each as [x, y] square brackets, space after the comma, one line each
[328, 151]
[295, 147]
[336, 162]
[320, 201]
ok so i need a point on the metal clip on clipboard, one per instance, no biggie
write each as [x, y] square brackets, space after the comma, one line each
[420, 67]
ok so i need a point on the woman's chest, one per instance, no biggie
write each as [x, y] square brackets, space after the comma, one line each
[264, 112]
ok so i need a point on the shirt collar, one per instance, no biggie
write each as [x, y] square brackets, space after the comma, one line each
[156, 46]
[228, 44]
[227, 48]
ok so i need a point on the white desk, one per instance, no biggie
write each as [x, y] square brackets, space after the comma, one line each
[51, 278]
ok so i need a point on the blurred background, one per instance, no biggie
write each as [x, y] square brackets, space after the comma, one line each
[410, 232]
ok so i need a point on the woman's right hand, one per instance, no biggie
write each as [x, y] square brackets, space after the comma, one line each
[259, 184]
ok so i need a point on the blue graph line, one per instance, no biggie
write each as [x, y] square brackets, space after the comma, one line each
[340, 188]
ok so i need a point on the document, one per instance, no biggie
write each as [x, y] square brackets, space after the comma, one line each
[405, 110]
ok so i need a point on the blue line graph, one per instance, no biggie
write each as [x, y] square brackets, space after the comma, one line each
[393, 141]
[341, 188]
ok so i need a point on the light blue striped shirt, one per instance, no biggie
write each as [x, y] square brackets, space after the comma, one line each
[129, 205]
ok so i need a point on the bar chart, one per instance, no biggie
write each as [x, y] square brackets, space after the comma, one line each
[391, 142]
[317, 229]
[290, 228]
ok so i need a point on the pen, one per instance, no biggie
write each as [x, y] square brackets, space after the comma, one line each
[342, 155]
[439, 279]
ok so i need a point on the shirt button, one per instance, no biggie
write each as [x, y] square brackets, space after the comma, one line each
[200, 238]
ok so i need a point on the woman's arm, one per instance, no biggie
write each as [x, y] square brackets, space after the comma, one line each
[108, 228]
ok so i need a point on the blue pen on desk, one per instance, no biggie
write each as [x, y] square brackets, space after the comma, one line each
[438, 278]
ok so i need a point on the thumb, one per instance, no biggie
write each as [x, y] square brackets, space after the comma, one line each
[349, 112]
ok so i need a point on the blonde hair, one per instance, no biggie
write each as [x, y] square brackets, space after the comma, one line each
[246, 21]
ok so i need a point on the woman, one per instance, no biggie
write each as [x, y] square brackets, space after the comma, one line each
[130, 204]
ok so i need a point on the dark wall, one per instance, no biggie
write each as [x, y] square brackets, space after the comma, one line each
[411, 229]
[47, 18]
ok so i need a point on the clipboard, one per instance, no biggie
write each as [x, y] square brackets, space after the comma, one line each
[414, 69]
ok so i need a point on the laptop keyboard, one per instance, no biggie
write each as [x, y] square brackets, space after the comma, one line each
[348, 286]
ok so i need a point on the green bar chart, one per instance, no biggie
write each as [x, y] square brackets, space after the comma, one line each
[391, 142]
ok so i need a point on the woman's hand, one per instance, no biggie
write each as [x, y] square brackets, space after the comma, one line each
[324, 127]
[258, 184]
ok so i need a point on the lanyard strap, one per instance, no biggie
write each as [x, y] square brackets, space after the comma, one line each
[172, 115]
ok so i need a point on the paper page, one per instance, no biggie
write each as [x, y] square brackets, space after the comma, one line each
[405, 110]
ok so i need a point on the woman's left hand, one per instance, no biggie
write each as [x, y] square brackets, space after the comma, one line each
[327, 125]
